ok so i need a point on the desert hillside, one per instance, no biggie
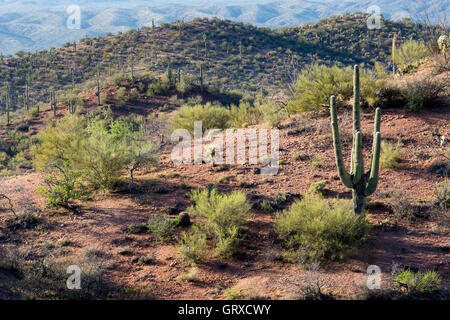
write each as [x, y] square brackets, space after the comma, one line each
[88, 177]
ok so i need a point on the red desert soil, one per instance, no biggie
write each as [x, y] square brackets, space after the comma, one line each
[101, 220]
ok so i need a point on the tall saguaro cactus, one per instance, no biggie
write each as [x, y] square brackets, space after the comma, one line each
[362, 183]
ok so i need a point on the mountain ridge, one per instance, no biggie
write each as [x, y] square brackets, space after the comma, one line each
[48, 22]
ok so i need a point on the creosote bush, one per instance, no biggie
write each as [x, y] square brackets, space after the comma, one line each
[322, 230]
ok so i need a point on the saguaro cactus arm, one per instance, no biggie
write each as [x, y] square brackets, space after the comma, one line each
[359, 158]
[343, 174]
[356, 103]
[375, 166]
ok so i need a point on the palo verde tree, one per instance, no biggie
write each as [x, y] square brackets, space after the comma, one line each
[362, 184]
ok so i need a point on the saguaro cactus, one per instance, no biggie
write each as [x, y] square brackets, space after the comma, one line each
[362, 184]
[53, 102]
[201, 78]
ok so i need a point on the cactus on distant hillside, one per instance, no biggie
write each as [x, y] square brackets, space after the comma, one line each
[8, 107]
[53, 102]
[97, 93]
[201, 78]
[394, 43]
[363, 184]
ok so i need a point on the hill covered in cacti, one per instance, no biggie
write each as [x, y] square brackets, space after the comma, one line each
[234, 55]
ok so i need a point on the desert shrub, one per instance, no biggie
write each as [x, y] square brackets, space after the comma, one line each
[231, 294]
[390, 154]
[391, 97]
[104, 98]
[423, 93]
[103, 157]
[272, 113]
[118, 78]
[211, 116]
[62, 188]
[90, 84]
[300, 156]
[244, 115]
[185, 84]
[102, 150]
[318, 187]
[53, 145]
[320, 230]
[402, 205]
[224, 215]
[121, 97]
[316, 83]
[443, 194]
[409, 55]
[192, 246]
[134, 95]
[162, 228]
[190, 276]
[157, 88]
[316, 161]
[420, 282]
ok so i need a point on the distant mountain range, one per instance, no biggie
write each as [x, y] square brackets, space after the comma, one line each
[41, 24]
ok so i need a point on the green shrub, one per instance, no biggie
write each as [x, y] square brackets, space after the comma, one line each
[224, 215]
[104, 98]
[244, 115]
[121, 97]
[316, 161]
[63, 188]
[402, 205]
[321, 231]
[300, 156]
[53, 145]
[185, 84]
[443, 194]
[134, 95]
[212, 117]
[162, 228]
[424, 93]
[157, 88]
[409, 55]
[318, 187]
[101, 150]
[104, 157]
[190, 276]
[316, 83]
[390, 154]
[272, 113]
[118, 78]
[419, 283]
[192, 246]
